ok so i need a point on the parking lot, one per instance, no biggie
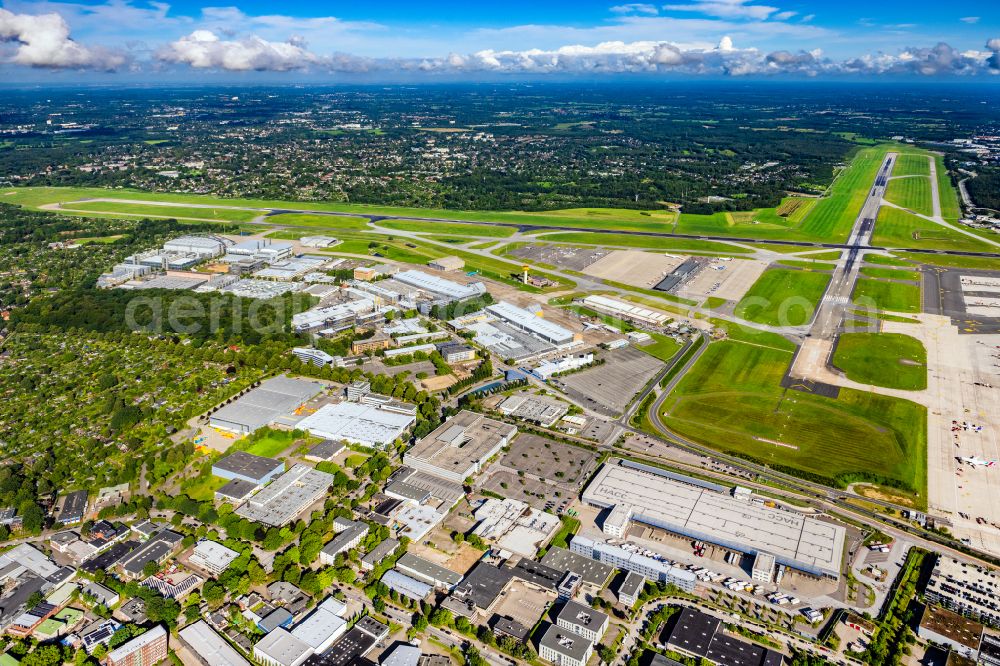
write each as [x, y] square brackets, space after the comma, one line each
[574, 258]
[541, 472]
[609, 388]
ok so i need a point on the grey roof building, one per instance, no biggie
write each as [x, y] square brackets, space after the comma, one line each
[247, 467]
[427, 571]
[256, 408]
[592, 571]
[157, 549]
[379, 553]
[563, 648]
[236, 491]
[699, 635]
[74, 506]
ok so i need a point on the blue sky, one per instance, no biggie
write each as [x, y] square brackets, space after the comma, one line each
[186, 40]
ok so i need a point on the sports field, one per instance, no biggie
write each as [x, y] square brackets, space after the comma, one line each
[911, 192]
[892, 360]
[884, 295]
[783, 297]
[732, 400]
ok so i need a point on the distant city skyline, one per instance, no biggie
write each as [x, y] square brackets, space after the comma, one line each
[256, 41]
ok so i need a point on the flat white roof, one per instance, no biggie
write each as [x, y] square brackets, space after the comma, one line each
[796, 540]
[322, 625]
[285, 497]
[437, 285]
[281, 647]
[531, 322]
[210, 551]
[211, 647]
[614, 305]
[358, 423]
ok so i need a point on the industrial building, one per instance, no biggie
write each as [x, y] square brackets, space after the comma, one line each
[631, 558]
[383, 550]
[446, 264]
[204, 246]
[261, 248]
[274, 398]
[287, 496]
[455, 352]
[460, 446]
[368, 425]
[209, 647]
[593, 572]
[530, 322]
[700, 635]
[625, 311]
[73, 507]
[235, 492]
[408, 586]
[560, 647]
[538, 409]
[515, 526]
[439, 289]
[212, 556]
[280, 648]
[960, 634]
[427, 571]
[324, 451]
[704, 511]
[248, 467]
[965, 588]
[338, 317]
[563, 364]
[321, 628]
[157, 549]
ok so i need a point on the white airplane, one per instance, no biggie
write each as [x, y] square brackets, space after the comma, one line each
[976, 461]
[587, 326]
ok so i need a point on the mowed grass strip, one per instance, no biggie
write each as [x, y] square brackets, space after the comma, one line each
[891, 296]
[156, 211]
[899, 228]
[910, 164]
[732, 400]
[783, 297]
[319, 221]
[833, 216]
[451, 228]
[645, 242]
[892, 360]
[950, 210]
[912, 192]
[890, 273]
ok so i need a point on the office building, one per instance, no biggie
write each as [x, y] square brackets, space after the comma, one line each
[582, 621]
[346, 539]
[143, 650]
[630, 588]
[212, 557]
[563, 648]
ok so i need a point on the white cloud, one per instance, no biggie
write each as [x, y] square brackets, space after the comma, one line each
[203, 49]
[969, 19]
[43, 40]
[636, 8]
[727, 9]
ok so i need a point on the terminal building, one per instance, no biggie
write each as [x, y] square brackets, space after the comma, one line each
[460, 446]
[708, 512]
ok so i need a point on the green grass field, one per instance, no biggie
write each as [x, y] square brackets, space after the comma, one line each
[949, 261]
[950, 209]
[270, 445]
[898, 228]
[892, 360]
[890, 273]
[662, 347]
[808, 265]
[886, 261]
[455, 229]
[833, 216]
[141, 210]
[732, 400]
[319, 222]
[912, 192]
[783, 297]
[891, 296]
[910, 164]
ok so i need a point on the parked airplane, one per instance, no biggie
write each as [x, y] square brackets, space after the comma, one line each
[976, 461]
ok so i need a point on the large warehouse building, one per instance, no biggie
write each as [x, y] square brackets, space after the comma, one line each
[529, 322]
[460, 446]
[704, 511]
[287, 496]
[255, 409]
[368, 425]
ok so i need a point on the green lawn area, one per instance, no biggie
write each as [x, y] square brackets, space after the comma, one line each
[890, 273]
[898, 228]
[268, 446]
[452, 228]
[886, 261]
[910, 164]
[732, 400]
[808, 265]
[354, 460]
[202, 487]
[892, 360]
[950, 261]
[891, 296]
[141, 210]
[912, 192]
[783, 297]
[950, 209]
[98, 239]
[662, 347]
[333, 222]
[833, 216]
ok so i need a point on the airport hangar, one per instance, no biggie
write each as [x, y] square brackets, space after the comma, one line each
[708, 512]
